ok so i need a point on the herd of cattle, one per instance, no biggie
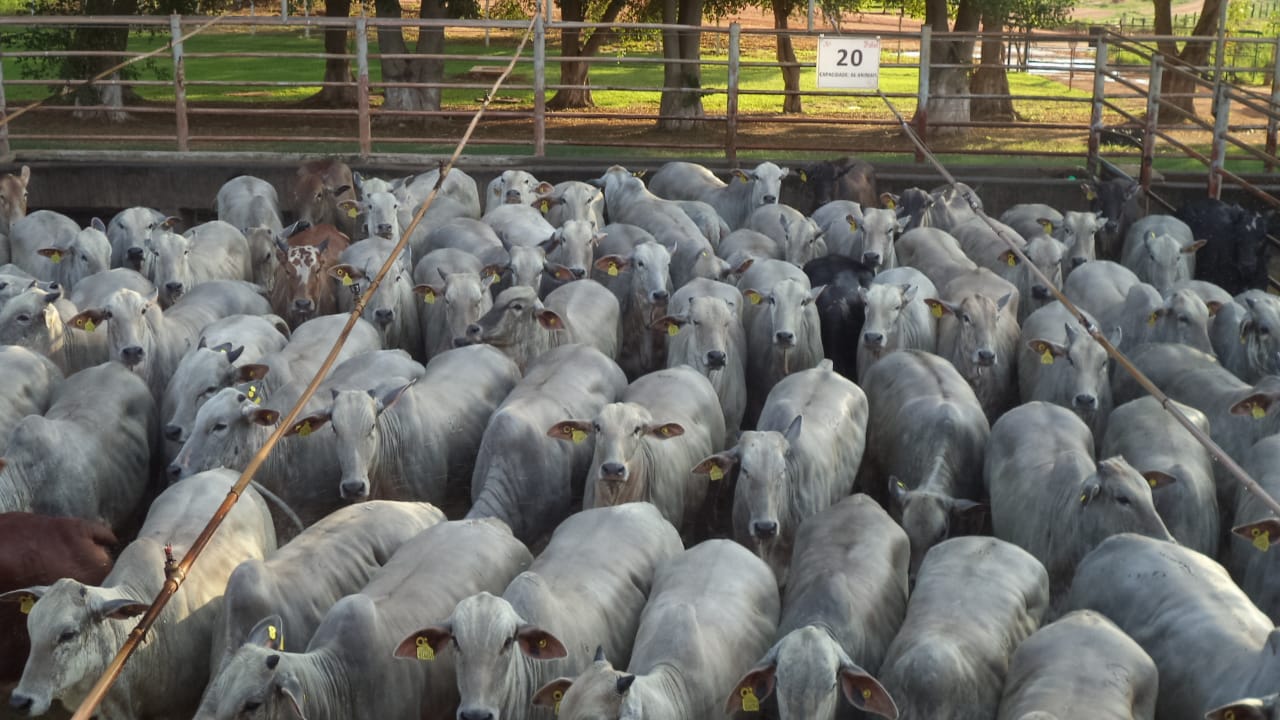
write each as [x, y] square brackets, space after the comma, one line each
[945, 502]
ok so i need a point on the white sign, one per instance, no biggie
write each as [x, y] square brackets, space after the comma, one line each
[849, 63]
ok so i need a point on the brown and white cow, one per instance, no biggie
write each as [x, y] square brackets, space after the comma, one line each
[302, 288]
[13, 205]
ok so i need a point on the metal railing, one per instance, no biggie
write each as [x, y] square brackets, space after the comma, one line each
[207, 96]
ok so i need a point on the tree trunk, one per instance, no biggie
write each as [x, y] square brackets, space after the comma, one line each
[787, 59]
[411, 70]
[574, 44]
[336, 70]
[990, 78]
[681, 103]
[949, 86]
[108, 93]
[1177, 88]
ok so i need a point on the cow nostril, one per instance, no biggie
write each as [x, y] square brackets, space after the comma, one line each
[986, 357]
[784, 337]
[475, 715]
[174, 471]
[384, 316]
[578, 272]
[612, 470]
[134, 253]
[659, 296]
[173, 287]
[764, 529]
[875, 339]
[716, 358]
[303, 305]
[1078, 261]
[354, 489]
[20, 702]
[461, 342]
[172, 432]
[770, 199]
[1040, 292]
[132, 355]
[474, 331]
[871, 259]
[1084, 400]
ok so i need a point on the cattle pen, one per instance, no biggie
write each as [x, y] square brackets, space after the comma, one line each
[175, 150]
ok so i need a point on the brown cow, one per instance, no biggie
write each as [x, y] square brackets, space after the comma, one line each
[318, 187]
[38, 550]
[13, 205]
[303, 288]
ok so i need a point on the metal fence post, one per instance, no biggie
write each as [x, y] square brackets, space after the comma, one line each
[4, 129]
[1099, 94]
[539, 88]
[1153, 121]
[179, 82]
[362, 86]
[922, 89]
[1272, 123]
[1221, 117]
[731, 98]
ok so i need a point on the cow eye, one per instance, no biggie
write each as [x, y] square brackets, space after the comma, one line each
[1122, 499]
[24, 318]
[516, 307]
[456, 647]
[251, 705]
[639, 263]
[638, 430]
[772, 301]
[1264, 330]
[67, 636]
[144, 311]
[506, 645]
[219, 427]
[966, 319]
[209, 390]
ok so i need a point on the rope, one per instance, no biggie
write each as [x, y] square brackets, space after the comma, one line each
[1121, 359]
[177, 573]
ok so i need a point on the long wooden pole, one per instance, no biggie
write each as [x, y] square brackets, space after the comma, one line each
[176, 573]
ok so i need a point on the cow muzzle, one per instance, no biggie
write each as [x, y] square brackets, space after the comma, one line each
[27, 705]
[716, 359]
[132, 355]
[354, 489]
[764, 529]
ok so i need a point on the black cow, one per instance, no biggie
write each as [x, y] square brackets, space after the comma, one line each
[1235, 256]
[1117, 200]
[840, 310]
[816, 184]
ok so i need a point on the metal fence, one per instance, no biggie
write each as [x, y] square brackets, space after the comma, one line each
[243, 85]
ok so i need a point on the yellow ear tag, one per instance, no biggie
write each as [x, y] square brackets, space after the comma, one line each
[866, 693]
[26, 603]
[1048, 227]
[352, 212]
[613, 269]
[666, 432]
[853, 227]
[1258, 412]
[755, 299]
[1261, 539]
[744, 178]
[804, 177]
[1084, 498]
[429, 298]
[936, 310]
[544, 206]
[890, 205]
[1012, 260]
[578, 436]
[424, 649]
[252, 394]
[1151, 482]
[750, 703]
[1151, 319]
[346, 280]
[716, 473]
[1046, 358]
[1229, 715]
[55, 257]
[673, 329]
[90, 325]
[557, 696]
[304, 429]
[271, 632]
[542, 642]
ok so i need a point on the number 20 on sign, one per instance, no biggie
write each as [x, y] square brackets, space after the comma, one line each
[849, 63]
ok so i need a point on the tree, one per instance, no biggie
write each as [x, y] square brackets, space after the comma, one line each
[577, 43]
[1176, 87]
[405, 70]
[336, 69]
[681, 104]
[786, 56]
[951, 58]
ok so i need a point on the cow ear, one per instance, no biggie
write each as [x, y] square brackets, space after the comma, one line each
[120, 609]
[1089, 192]
[755, 686]
[550, 695]
[908, 292]
[574, 430]
[428, 293]
[865, 693]
[424, 644]
[550, 320]
[264, 417]
[1046, 349]
[251, 372]
[1193, 247]
[492, 273]
[291, 691]
[743, 266]
[1248, 709]
[550, 244]
[1004, 300]
[388, 397]
[1256, 405]
[1214, 306]
[753, 296]
[740, 175]
[345, 274]
[25, 598]
[1259, 533]
[234, 354]
[665, 431]
[1008, 257]
[1157, 479]
[307, 425]
[898, 490]
[88, 320]
[611, 265]
[939, 307]
[350, 207]
[888, 201]
[268, 633]
[539, 644]
[792, 433]
[1089, 492]
[716, 466]
[559, 272]
[53, 254]
[670, 324]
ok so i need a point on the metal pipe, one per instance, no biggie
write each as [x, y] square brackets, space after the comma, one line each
[731, 102]
[362, 87]
[539, 87]
[1095, 115]
[922, 85]
[1153, 116]
[179, 82]
[1222, 114]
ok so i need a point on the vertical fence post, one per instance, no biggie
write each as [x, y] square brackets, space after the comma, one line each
[1221, 117]
[1099, 95]
[1272, 123]
[539, 88]
[922, 88]
[1153, 121]
[731, 98]
[362, 87]
[179, 82]
[4, 129]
